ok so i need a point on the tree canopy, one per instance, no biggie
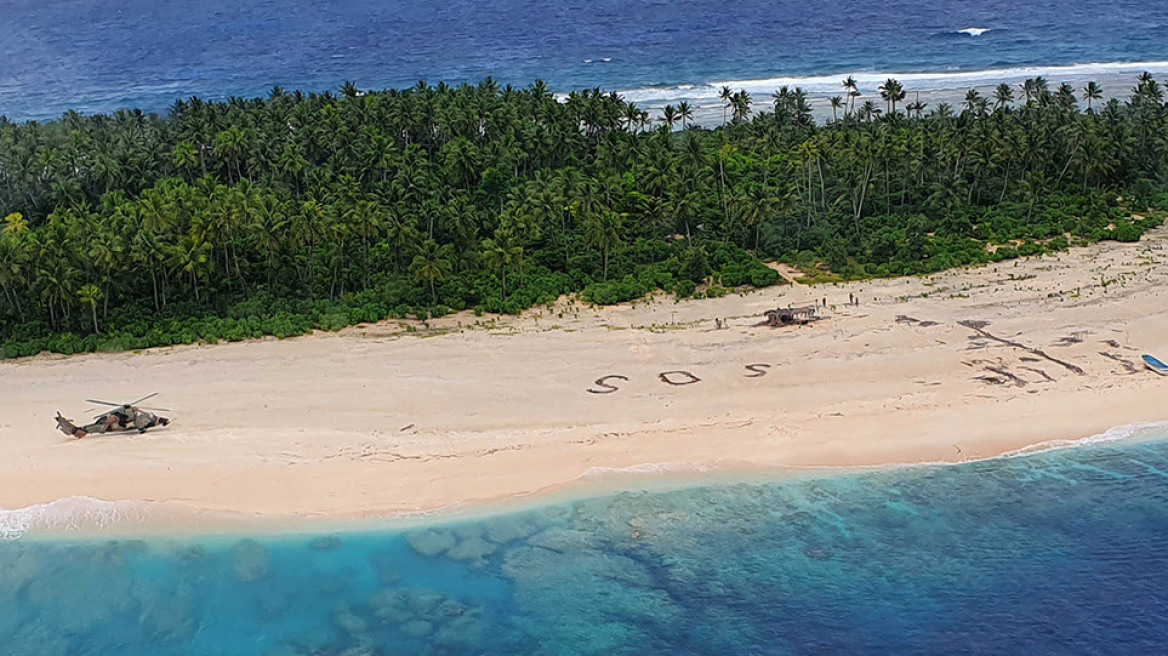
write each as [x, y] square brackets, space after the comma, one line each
[277, 215]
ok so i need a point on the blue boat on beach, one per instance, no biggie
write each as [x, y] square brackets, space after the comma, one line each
[1155, 365]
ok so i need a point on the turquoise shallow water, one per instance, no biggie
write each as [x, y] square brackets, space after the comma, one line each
[1064, 552]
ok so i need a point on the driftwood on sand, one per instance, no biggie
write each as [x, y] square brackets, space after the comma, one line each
[979, 328]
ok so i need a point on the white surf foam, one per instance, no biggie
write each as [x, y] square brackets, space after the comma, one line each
[68, 514]
[975, 31]
[1129, 431]
[869, 81]
[648, 468]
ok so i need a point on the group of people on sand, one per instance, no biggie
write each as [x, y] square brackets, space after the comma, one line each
[852, 300]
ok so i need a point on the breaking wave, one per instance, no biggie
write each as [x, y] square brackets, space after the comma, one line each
[69, 514]
[1149, 430]
[868, 81]
[650, 468]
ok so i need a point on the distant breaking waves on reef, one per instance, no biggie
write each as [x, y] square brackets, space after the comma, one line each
[101, 55]
[1117, 78]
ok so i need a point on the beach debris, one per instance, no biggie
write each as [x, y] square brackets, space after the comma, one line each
[1129, 367]
[406, 428]
[251, 561]
[758, 369]
[606, 387]
[1045, 376]
[1004, 377]
[904, 319]
[1112, 343]
[1002, 374]
[1073, 338]
[1153, 363]
[979, 328]
[667, 377]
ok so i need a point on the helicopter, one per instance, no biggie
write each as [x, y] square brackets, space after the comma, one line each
[124, 417]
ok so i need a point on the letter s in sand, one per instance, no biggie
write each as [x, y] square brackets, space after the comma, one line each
[758, 369]
[608, 389]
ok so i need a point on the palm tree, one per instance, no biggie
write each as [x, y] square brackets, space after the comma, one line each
[725, 93]
[1065, 97]
[502, 253]
[192, 256]
[853, 92]
[892, 92]
[432, 265]
[669, 116]
[972, 100]
[1003, 96]
[603, 231]
[684, 113]
[1092, 92]
[91, 295]
[868, 111]
[230, 144]
[740, 103]
[837, 102]
[186, 156]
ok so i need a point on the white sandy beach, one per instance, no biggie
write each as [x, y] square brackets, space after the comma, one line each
[374, 421]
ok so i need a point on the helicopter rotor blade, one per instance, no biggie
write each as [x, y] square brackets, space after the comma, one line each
[148, 396]
[143, 407]
[116, 405]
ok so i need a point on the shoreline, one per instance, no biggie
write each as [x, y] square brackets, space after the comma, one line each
[932, 87]
[363, 424]
[934, 84]
[73, 518]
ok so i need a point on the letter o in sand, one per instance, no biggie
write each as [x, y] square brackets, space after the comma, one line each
[608, 389]
[667, 377]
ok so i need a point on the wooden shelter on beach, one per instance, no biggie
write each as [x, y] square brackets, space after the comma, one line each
[789, 315]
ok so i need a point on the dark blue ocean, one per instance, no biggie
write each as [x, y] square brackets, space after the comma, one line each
[99, 55]
[1063, 552]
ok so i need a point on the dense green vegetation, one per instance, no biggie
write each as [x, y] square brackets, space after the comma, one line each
[274, 216]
